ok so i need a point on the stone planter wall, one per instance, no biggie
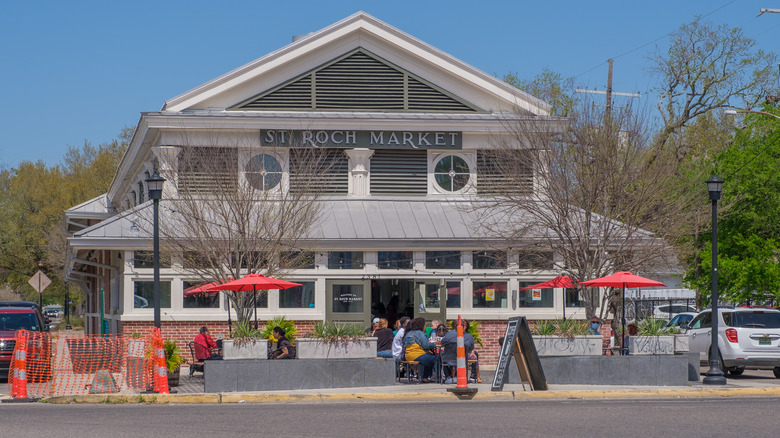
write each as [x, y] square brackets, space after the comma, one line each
[682, 344]
[248, 350]
[644, 345]
[563, 346]
[313, 348]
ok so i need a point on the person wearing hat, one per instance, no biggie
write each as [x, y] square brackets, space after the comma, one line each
[594, 326]
[384, 338]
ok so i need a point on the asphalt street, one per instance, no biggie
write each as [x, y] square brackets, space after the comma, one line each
[752, 417]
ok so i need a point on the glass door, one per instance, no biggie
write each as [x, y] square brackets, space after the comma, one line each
[430, 300]
[348, 301]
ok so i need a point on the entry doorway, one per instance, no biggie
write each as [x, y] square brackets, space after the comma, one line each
[394, 298]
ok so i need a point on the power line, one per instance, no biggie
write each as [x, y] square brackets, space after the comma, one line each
[653, 41]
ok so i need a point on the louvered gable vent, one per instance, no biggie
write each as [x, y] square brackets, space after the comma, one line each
[399, 172]
[358, 81]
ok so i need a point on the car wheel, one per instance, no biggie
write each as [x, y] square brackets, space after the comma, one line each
[736, 371]
[777, 372]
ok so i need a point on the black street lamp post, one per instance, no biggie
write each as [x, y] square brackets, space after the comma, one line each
[714, 375]
[155, 185]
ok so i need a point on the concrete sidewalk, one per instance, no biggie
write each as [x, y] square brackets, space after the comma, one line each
[435, 392]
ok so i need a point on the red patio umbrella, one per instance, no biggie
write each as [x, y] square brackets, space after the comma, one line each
[622, 279]
[254, 282]
[201, 289]
[561, 281]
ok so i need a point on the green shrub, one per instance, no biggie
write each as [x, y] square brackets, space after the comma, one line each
[332, 332]
[287, 325]
[243, 332]
[544, 327]
[653, 327]
[173, 357]
[558, 327]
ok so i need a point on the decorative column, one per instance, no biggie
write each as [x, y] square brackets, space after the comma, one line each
[168, 168]
[359, 169]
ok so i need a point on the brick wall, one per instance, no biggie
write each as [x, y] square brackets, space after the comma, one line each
[184, 332]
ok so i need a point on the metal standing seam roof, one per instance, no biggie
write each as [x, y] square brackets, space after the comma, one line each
[356, 220]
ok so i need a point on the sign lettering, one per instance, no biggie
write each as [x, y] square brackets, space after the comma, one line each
[357, 139]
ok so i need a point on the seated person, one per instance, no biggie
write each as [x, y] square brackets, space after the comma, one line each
[595, 324]
[205, 347]
[284, 348]
[418, 348]
[449, 354]
[384, 341]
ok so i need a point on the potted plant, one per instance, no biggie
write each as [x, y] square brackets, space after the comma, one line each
[280, 321]
[244, 343]
[173, 361]
[653, 337]
[569, 337]
[336, 341]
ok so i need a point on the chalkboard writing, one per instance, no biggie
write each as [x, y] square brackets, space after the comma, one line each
[518, 344]
[505, 354]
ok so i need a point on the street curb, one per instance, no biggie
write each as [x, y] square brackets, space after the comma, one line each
[233, 397]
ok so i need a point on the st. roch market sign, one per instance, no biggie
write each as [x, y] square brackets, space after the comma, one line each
[363, 139]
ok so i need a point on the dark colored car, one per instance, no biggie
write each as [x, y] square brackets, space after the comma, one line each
[15, 316]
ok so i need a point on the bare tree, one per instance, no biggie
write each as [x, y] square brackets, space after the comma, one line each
[242, 210]
[707, 67]
[585, 192]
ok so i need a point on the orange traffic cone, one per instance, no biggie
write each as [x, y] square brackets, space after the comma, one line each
[160, 371]
[19, 386]
[462, 389]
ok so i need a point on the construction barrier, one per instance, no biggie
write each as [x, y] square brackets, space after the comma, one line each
[461, 358]
[56, 364]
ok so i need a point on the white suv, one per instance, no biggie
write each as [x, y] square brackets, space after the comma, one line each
[747, 338]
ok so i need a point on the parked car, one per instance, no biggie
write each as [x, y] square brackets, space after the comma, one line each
[681, 320]
[52, 313]
[15, 316]
[662, 311]
[747, 339]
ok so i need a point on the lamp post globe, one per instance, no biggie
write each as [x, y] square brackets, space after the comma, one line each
[714, 375]
[155, 184]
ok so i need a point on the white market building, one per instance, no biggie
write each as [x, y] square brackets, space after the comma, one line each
[391, 227]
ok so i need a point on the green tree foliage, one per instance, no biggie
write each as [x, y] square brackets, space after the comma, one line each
[551, 87]
[706, 67]
[32, 201]
[748, 232]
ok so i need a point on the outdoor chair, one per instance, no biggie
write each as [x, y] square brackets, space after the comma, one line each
[196, 365]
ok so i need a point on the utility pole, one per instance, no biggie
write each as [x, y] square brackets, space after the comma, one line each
[609, 93]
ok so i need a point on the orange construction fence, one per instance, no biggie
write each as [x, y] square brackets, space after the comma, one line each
[57, 364]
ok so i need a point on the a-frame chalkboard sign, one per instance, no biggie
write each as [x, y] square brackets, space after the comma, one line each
[518, 344]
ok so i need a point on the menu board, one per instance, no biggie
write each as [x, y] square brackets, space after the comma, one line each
[519, 344]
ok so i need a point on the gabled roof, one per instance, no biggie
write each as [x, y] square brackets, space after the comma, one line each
[421, 61]
[97, 206]
[357, 81]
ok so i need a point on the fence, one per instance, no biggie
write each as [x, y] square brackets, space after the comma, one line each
[48, 365]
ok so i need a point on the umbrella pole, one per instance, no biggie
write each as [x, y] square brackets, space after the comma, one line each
[230, 323]
[623, 346]
[564, 304]
[254, 298]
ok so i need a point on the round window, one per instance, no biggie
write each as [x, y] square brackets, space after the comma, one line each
[451, 173]
[263, 172]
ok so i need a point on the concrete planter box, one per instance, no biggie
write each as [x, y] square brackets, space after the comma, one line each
[589, 345]
[313, 348]
[136, 348]
[248, 350]
[682, 344]
[646, 345]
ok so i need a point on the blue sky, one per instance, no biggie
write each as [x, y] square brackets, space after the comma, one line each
[82, 70]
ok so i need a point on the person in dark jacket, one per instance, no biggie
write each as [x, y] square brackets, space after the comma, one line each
[284, 348]
[449, 344]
